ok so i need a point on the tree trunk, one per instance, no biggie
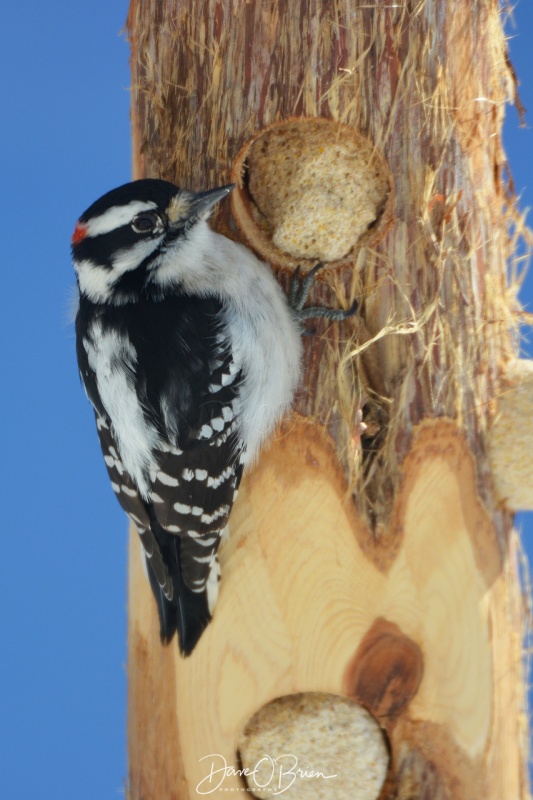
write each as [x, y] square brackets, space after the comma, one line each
[371, 574]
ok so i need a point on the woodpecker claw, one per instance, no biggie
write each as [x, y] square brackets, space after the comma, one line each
[299, 292]
[294, 289]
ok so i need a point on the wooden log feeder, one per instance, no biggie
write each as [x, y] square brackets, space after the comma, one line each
[367, 642]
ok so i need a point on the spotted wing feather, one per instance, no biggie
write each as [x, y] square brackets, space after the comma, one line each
[196, 484]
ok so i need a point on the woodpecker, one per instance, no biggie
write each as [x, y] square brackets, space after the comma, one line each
[190, 354]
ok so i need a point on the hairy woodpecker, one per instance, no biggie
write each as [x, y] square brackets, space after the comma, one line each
[190, 355]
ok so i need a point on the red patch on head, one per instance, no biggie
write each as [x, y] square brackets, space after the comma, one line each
[80, 232]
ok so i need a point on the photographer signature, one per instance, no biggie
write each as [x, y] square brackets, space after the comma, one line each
[275, 774]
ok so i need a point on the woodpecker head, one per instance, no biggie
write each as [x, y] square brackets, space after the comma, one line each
[144, 236]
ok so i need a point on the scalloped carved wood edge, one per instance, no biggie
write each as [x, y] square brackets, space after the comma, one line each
[304, 590]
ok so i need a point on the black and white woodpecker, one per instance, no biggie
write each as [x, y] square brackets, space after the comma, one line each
[190, 354]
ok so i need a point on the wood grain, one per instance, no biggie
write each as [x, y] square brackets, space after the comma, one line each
[297, 605]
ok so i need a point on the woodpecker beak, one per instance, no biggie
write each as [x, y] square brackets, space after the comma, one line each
[192, 205]
[204, 201]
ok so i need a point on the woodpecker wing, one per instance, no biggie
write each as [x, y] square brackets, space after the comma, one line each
[194, 488]
[188, 383]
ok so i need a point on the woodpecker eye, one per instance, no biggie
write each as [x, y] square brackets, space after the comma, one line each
[146, 222]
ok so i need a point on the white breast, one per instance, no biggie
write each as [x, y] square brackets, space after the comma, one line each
[267, 344]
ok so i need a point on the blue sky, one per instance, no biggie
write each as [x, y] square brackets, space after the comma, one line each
[65, 140]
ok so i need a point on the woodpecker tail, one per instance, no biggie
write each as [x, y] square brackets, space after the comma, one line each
[187, 612]
[181, 609]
